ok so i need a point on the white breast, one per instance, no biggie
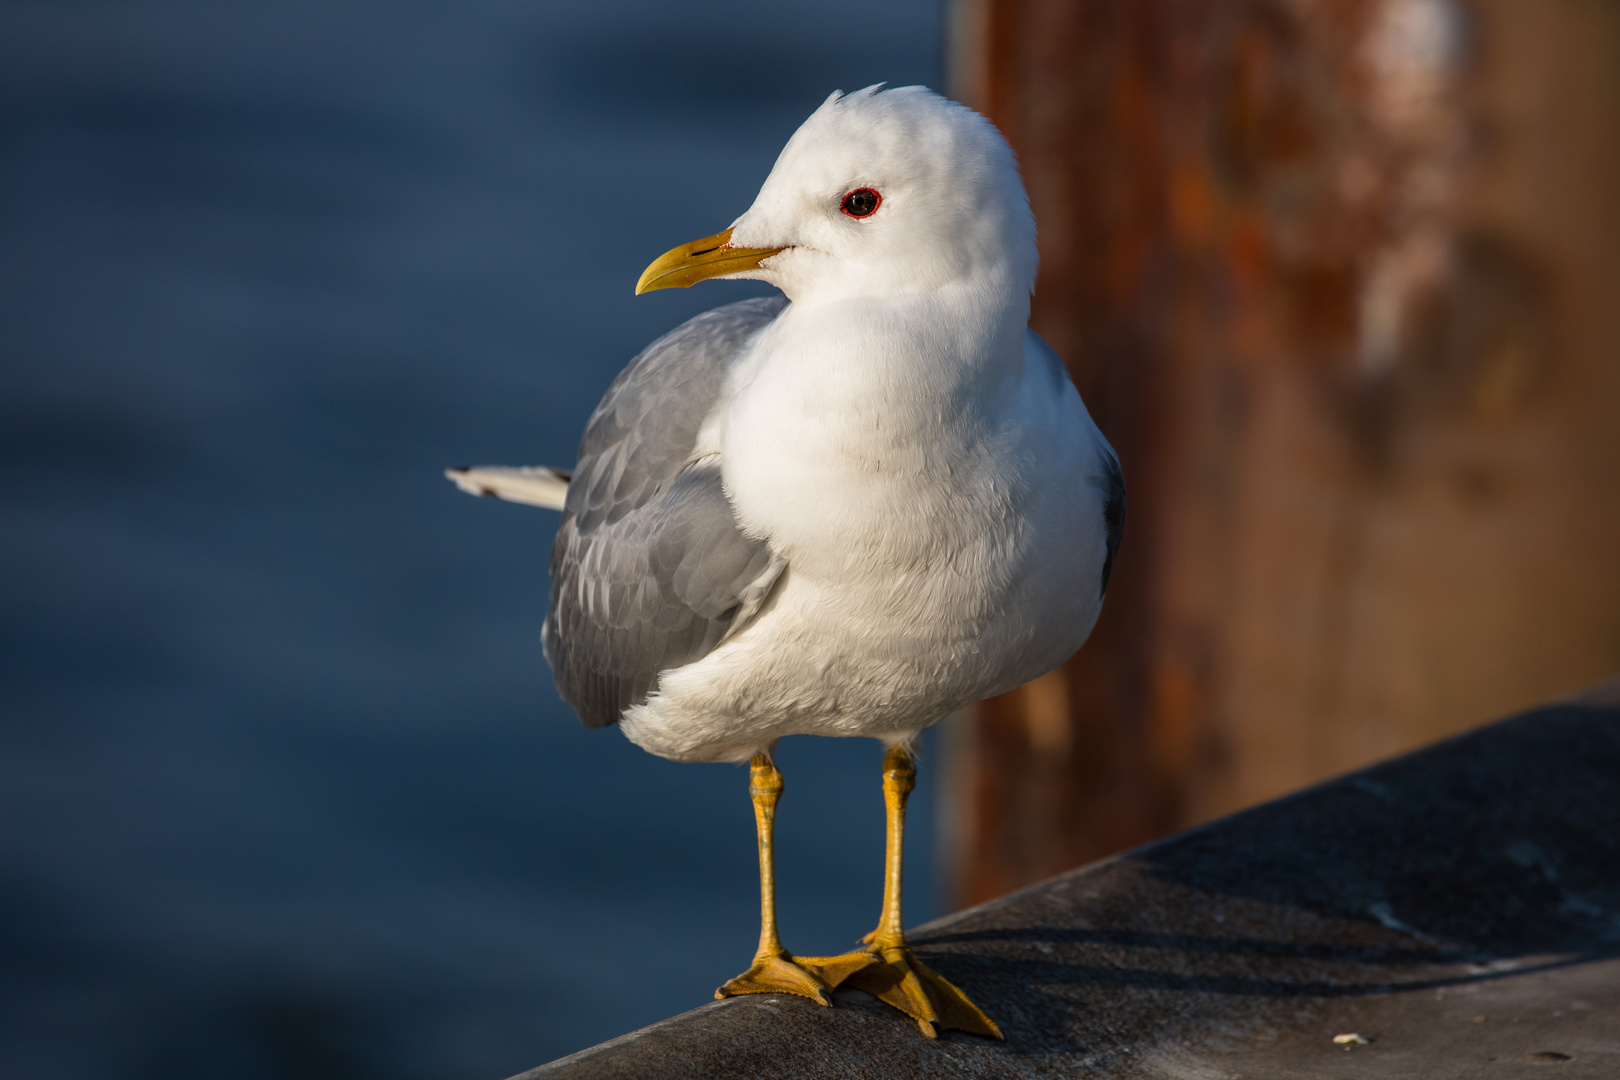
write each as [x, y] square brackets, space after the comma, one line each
[932, 493]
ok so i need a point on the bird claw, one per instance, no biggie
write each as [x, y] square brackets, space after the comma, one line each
[901, 980]
[806, 976]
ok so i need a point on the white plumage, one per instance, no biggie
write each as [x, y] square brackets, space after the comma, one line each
[940, 516]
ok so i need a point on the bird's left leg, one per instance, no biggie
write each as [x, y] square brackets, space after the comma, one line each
[901, 979]
[775, 970]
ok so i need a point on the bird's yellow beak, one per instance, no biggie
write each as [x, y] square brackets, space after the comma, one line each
[691, 263]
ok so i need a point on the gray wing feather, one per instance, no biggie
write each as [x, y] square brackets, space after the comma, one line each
[650, 571]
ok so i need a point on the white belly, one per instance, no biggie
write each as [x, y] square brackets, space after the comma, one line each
[953, 592]
[810, 665]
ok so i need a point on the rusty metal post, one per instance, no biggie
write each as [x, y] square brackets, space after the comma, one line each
[1340, 279]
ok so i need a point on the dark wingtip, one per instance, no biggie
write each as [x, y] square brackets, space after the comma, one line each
[1112, 486]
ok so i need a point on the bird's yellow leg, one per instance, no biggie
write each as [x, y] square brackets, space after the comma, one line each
[900, 979]
[775, 970]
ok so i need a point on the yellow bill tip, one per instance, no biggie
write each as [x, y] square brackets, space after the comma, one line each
[712, 256]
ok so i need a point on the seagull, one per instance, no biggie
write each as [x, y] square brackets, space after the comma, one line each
[847, 511]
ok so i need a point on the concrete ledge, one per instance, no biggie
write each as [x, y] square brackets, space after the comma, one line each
[1459, 908]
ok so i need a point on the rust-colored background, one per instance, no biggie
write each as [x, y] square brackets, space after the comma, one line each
[1338, 279]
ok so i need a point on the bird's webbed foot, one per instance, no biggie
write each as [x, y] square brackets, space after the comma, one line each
[899, 979]
[807, 976]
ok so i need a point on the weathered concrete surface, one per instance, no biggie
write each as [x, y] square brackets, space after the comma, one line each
[1459, 907]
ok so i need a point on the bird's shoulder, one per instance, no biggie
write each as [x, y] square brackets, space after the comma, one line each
[642, 432]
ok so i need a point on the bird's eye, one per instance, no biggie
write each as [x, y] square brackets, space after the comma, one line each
[862, 202]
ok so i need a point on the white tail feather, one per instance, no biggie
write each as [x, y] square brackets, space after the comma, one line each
[534, 485]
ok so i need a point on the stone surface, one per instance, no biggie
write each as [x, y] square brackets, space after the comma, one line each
[1458, 908]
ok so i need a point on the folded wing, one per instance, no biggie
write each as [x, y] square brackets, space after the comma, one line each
[650, 571]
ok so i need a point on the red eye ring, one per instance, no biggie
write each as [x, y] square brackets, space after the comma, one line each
[861, 203]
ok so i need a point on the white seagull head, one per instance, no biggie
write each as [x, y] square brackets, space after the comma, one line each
[880, 193]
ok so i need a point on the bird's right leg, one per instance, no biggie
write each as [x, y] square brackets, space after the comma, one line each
[901, 979]
[775, 970]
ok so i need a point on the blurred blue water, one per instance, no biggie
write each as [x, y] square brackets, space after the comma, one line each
[284, 786]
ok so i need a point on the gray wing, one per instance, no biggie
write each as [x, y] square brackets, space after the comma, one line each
[650, 571]
[1109, 481]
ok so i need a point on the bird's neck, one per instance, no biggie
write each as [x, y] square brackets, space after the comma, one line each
[908, 349]
[844, 409]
